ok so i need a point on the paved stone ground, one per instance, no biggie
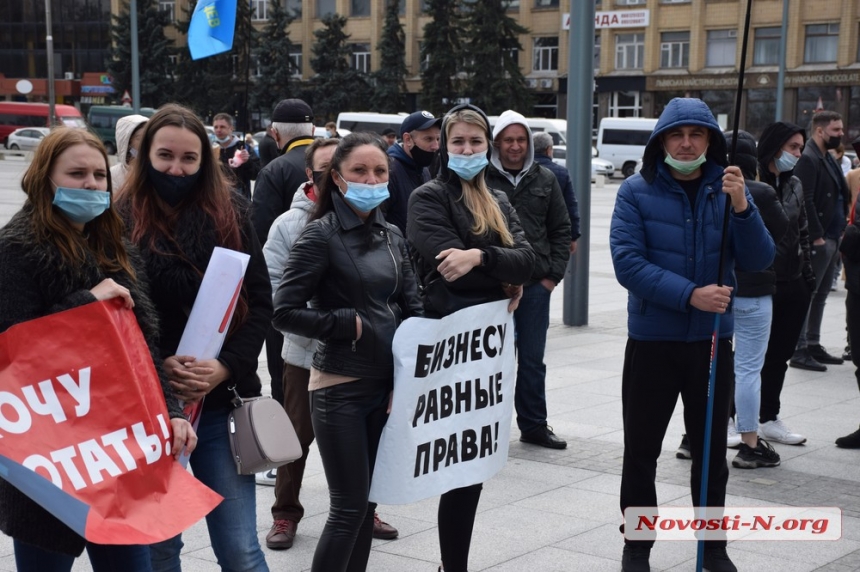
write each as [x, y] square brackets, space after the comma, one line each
[557, 511]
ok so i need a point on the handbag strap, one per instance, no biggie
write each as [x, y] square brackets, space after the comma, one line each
[237, 399]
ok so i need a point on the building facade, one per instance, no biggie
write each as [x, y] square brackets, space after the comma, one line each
[646, 51]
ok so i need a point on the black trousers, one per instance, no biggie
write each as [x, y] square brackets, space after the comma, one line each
[654, 374]
[348, 421]
[275, 363]
[852, 318]
[790, 304]
[457, 510]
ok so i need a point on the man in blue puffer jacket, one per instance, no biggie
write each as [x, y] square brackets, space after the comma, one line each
[665, 243]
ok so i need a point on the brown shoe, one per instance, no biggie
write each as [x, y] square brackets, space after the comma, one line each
[281, 536]
[383, 530]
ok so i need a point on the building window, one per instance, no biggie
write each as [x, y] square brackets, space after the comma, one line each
[674, 49]
[294, 8]
[722, 45]
[173, 59]
[822, 41]
[259, 9]
[168, 6]
[258, 70]
[766, 46]
[359, 7]
[625, 104]
[546, 54]
[629, 51]
[511, 5]
[325, 8]
[546, 3]
[361, 57]
[296, 60]
[596, 53]
[401, 8]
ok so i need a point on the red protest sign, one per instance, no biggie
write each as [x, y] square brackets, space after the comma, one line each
[81, 405]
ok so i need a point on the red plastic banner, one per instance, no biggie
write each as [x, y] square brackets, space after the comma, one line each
[81, 405]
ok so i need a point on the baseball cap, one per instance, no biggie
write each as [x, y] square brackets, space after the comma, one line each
[419, 121]
[389, 131]
[292, 111]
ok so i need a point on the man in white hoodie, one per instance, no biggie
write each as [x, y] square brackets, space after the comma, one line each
[537, 198]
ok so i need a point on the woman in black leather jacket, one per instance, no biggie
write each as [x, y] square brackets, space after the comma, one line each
[355, 270]
[469, 249]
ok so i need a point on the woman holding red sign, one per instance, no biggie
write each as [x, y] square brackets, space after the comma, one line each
[178, 206]
[64, 249]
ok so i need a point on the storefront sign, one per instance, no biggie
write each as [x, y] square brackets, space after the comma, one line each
[615, 19]
[751, 81]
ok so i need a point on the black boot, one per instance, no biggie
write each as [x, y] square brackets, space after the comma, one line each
[851, 441]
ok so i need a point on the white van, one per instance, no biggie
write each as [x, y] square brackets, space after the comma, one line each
[622, 140]
[353, 121]
[557, 128]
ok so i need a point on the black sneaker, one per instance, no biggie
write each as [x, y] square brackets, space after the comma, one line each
[544, 437]
[851, 441]
[820, 355]
[635, 558]
[762, 456]
[717, 560]
[683, 451]
[802, 360]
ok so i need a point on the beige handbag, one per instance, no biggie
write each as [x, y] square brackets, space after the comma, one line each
[261, 434]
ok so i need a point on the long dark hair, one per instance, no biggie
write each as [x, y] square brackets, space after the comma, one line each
[102, 236]
[344, 149]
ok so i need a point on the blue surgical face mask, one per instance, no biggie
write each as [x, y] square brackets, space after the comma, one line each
[223, 140]
[363, 197]
[785, 162]
[467, 167]
[81, 205]
[685, 167]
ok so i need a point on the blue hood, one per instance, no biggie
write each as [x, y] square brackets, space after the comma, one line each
[683, 111]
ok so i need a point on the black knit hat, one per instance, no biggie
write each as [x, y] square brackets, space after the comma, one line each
[292, 111]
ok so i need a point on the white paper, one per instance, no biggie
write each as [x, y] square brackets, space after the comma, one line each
[478, 355]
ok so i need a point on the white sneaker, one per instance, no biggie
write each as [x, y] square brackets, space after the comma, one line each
[733, 438]
[266, 478]
[777, 431]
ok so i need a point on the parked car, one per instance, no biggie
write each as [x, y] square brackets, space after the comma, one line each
[26, 138]
[598, 166]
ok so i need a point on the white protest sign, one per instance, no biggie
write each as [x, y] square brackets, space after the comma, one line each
[450, 419]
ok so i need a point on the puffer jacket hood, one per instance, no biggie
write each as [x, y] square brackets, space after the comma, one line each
[772, 139]
[445, 174]
[125, 127]
[745, 153]
[507, 119]
[683, 111]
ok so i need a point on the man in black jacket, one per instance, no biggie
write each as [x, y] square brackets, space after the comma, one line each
[242, 164]
[536, 196]
[543, 156]
[269, 150]
[409, 162]
[827, 199]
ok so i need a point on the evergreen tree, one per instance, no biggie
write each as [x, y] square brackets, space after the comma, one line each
[495, 82]
[389, 79]
[337, 86]
[441, 50]
[272, 56]
[156, 71]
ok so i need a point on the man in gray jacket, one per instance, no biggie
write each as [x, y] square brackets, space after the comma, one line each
[537, 198]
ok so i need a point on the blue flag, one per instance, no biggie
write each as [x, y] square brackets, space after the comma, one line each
[212, 25]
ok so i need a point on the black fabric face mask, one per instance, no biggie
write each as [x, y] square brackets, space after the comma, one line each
[421, 157]
[832, 142]
[170, 188]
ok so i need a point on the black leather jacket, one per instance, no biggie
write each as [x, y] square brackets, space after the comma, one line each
[346, 267]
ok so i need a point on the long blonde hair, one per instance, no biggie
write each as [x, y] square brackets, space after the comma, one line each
[476, 195]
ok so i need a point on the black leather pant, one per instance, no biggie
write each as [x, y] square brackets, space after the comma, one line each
[348, 421]
[457, 510]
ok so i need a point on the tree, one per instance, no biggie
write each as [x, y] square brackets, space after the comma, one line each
[337, 86]
[389, 79]
[209, 85]
[495, 82]
[272, 55]
[441, 50]
[156, 70]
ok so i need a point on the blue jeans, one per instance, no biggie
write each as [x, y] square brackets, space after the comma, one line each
[752, 332]
[103, 558]
[233, 523]
[531, 321]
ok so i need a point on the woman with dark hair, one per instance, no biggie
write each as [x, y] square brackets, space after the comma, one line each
[178, 207]
[470, 249]
[355, 270]
[64, 249]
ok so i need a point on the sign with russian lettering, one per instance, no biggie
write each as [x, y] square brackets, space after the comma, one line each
[450, 419]
[84, 429]
[614, 19]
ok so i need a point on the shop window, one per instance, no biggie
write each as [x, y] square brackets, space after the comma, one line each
[722, 46]
[625, 104]
[822, 42]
